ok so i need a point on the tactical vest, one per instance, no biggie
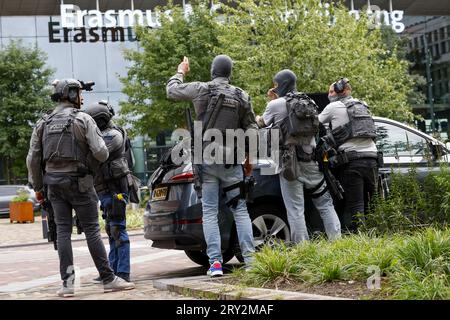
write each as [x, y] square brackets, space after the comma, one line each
[360, 125]
[226, 108]
[116, 166]
[59, 142]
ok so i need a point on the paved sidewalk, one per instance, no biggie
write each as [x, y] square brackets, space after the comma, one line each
[144, 291]
[25, 234]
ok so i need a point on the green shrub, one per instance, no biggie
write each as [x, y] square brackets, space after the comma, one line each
[413, 266]
[21, 198]
[410, 205]
[135, 219]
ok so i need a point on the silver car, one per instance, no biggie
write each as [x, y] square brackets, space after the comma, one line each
[8, 192]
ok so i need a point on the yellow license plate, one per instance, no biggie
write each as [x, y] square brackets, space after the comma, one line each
[160, 194]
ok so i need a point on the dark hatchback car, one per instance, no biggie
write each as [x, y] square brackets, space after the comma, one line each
[173, 217]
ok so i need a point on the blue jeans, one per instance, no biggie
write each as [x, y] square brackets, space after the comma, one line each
[119, 242]
[214, 177]
[309, 176]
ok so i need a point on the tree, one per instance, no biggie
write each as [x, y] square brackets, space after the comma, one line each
[147, 109]
[23, 99]
[263, 37]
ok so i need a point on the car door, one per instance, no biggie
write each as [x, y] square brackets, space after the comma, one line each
[402, 148]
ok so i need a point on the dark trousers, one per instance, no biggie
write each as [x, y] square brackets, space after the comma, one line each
[64, 198]
[359, 180]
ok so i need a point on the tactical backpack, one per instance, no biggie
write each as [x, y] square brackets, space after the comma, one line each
[119, 165]
[360, 125]
[303, 116]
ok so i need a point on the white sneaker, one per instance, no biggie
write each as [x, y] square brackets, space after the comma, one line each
[118, 284]
[65, 292]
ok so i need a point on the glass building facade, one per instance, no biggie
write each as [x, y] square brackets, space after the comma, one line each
[101, 61]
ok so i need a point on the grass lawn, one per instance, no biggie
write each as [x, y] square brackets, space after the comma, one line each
[410, 266]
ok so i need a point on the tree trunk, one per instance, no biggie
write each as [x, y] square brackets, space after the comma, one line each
[8, 170]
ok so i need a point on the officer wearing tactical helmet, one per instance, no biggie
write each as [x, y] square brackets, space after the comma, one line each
[63, 146]
[205, 97]
[353, 136]
[113, 183]
[299, 169]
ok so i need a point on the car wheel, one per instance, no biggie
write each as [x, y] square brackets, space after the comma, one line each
[201, 258]
[270, 226]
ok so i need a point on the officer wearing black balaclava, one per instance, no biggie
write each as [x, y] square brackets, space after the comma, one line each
[303, 174]
[213, 102]
[63, 146]
[112, 183]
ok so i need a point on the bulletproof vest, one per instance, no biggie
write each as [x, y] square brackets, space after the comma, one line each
[59, 142]
[360, 125]
[112, 174]
[226, 108]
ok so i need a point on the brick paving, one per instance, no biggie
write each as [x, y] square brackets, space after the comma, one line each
[29, 267]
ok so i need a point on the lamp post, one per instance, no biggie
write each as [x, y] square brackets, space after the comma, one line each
[428, 61]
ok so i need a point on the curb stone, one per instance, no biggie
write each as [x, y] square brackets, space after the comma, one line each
[204, 287]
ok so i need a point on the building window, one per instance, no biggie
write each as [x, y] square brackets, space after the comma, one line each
[443, 47]
[415, 43]
[429, 37]
[422, 40]
[436, 50]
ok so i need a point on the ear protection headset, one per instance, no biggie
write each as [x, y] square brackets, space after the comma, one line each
[339, 86]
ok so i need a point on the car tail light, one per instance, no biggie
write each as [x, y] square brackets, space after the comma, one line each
[183, 177]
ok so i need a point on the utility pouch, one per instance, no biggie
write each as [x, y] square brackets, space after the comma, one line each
[85, 183]
[289, 163]
[133, 188]
[118, 168]
[118, 208]
[304, 155]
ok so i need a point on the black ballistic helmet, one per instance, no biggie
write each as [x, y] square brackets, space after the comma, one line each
[221, 67]
[101, 112]
[286, 81]
[66, 89]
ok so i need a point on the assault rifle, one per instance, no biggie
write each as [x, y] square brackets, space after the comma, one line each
[51, 232]
[196, 169]
[323, 152]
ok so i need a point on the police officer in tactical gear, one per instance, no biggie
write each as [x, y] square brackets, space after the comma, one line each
[299, 171]
[111, 182]
[63, 146]
[219, 105]
[352, 133]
